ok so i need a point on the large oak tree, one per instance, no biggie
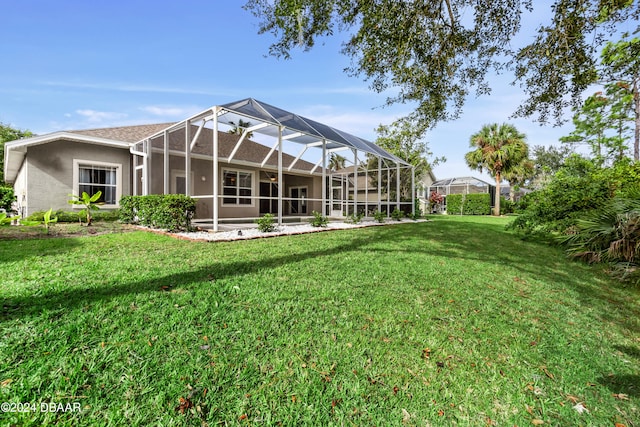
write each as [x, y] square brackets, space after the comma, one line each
[435, 53]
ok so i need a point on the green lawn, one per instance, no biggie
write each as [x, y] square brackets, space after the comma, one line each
[450, 322]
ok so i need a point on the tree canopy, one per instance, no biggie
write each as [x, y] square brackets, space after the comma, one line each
[603, 124]
[546, 162]
[435, 53]
[7, 133]
[621, 65]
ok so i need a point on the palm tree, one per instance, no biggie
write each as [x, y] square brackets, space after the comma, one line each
[239, 128]
[498, 149]
[336, 162]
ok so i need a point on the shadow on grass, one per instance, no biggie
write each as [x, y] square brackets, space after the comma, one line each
[629, 351]
[17, 307]
[625, 384]
[18, 249]
[465, 240]
[479, 240]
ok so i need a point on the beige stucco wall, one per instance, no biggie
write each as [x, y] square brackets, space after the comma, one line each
[201, 168]
[50, 171]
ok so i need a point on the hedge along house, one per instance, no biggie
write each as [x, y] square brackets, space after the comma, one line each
[240, 180]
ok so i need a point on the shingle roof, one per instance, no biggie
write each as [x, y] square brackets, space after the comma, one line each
[124, 133]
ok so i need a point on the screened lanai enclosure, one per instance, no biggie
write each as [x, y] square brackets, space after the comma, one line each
[460, 185]
[247, 158]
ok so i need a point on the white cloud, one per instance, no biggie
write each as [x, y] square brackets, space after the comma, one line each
[359, 123]
[94, 116]
[132, 87]
[171, 111]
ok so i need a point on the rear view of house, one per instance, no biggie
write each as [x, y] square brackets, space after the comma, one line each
[239, 160]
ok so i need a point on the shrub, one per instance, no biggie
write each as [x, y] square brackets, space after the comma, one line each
[469, 204]
[580, 186]
[319, 220]
[397, 214]
[355, 218]
[168, 211]
[48, 220]
[266, 223]
[379, 216]
[7, 197]
[90, 203]
[477, 204]
[454, 204]
[415, 216]
[435, 200]
[506, 206]
[4, 219]
[417, 211]
[611, 235]
[129, 206]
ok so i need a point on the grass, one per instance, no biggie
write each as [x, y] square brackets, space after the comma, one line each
[451, 322]
[61, 229]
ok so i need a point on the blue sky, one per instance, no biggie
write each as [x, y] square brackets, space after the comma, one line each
[85, 64]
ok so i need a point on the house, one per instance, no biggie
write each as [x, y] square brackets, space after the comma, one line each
[513, 194]
[234, 177]
[346, 181]
[460, 185]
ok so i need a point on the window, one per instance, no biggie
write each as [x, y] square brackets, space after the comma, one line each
[91, 177]
[179, 182]
[237, 187]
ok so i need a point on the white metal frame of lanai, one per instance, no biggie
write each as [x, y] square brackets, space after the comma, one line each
[286, 128]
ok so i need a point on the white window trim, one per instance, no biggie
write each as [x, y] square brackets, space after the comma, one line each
[253, 188]
[76, 179]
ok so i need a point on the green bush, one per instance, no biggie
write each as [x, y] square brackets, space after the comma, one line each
[469, 204]
[379, 216]
[397, 214]
[454, 204]
[7, 197]
[4, 219]
[611, 235]
[354, 218]
[266, 223]
[579, 187]
[417, 210]
[319, 220]
[506, 206]
[168, 211]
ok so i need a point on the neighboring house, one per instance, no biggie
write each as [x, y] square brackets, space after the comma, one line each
[422, 188]
[197, 157]
[505, 191]
[460, 185]
[370, 195]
